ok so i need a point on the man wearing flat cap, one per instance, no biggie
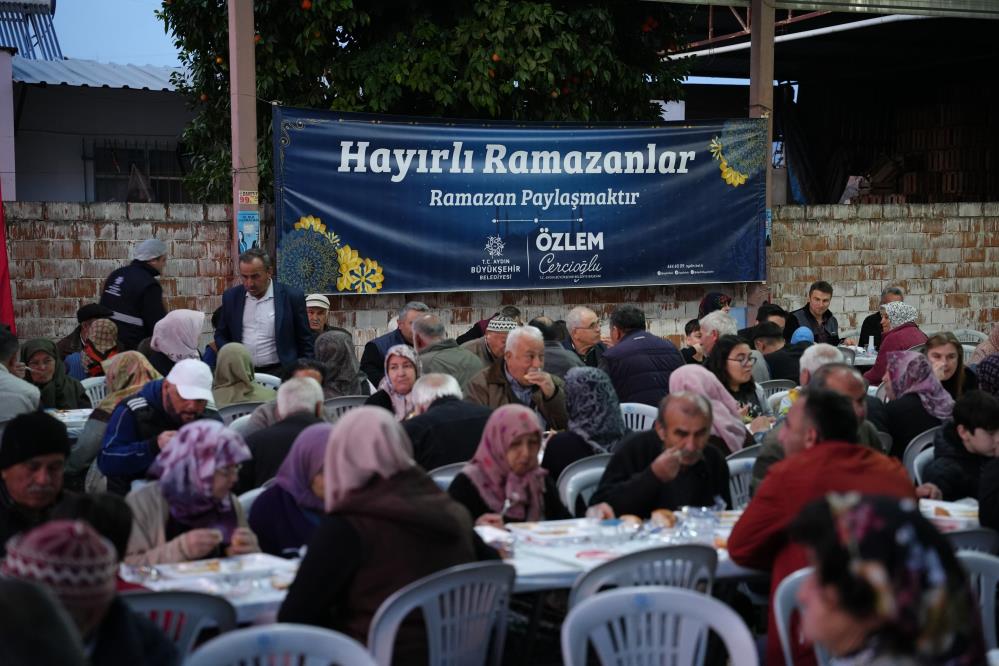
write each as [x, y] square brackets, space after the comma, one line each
[135, 296]
[33, 452]
[85, 316]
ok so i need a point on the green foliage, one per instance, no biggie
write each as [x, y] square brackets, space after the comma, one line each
[597, 60]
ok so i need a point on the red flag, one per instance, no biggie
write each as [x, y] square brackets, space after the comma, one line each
[6, 293]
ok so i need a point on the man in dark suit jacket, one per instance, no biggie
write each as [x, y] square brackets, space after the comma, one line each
[640, 363]
[265, 315]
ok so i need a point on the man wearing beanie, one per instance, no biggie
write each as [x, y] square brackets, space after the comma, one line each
[33, 452]
[70, 558]
[135, 296]
[85, 316]
[492, 345]
[143, 424]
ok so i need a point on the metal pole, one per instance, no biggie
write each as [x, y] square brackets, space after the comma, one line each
[761, 101]
[243, 102]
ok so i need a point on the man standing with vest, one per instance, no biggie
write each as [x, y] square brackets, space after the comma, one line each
[135, 296]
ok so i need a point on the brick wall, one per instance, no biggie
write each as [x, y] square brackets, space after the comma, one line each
[946, 257]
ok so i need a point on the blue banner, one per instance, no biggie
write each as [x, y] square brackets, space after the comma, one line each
[368, 204]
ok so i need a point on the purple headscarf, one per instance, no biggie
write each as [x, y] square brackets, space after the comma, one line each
[186, 471]
[303, 462]
[988, 374]
[910, 372]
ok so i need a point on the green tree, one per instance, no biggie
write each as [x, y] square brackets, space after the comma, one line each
[597, 60]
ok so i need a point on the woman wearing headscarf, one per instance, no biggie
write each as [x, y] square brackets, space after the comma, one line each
[46, 371]
[728, 431]
[190, 513]
[918, 402]
[396, 388]
[595, 422]
[284, 516]
[988, 374]
[503, 481]
[175, 337]
[987, 347]
[335, 350]
[99, 344]
[125, 374]
[387, 525]
[900, 332]
[886, 586]
[234, 378]
[713, 301]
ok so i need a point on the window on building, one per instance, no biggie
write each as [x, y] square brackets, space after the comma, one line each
[142, 172]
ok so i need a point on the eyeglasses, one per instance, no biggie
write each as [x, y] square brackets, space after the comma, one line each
[228, 470]
[744, 360]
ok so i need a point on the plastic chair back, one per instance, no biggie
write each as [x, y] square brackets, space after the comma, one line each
[774, 385]
[336, 407]
[746, 452]
[980, 539]
[247, 499]
[282, 643]
[653, 625]
[849, 355]
[915, 447]
[96, 389]
[740, 474]
[464, 611]
[241, 424]
[885, 440]
[230, 413]
[182, 615]
[919, 349]
[691, 567]
[970, 336]
[785, 602]
[774, 400]
[581, 478]
[638, 416]
[270, 381]
[882, 392]
[969, 351]
[924, 458]
[983, 575]
[444, 475]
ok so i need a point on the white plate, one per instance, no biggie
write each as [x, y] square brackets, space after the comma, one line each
[254, 563]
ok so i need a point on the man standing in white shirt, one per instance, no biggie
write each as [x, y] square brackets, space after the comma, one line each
[266, 316]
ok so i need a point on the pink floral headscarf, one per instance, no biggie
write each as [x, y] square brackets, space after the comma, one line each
[725, 420]
[490, 473]
[910, 372]
[987, 347]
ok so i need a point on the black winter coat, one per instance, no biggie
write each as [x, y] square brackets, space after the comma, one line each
[955, 470]
[639, 366]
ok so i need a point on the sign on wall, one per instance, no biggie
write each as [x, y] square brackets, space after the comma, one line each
[382, 204]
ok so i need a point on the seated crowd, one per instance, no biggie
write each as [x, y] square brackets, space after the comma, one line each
[155, 475]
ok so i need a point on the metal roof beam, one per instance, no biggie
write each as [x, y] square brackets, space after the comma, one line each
[987, 9]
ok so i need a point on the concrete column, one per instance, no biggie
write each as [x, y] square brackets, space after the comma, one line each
[243, 100]
[7, 175]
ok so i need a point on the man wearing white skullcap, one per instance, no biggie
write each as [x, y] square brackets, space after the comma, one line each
[134, 294]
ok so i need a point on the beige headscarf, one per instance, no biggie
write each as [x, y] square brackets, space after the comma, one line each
[234, 378]
[987, 347]
[125, 374]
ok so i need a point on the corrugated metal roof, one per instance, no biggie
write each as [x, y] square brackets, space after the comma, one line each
[74, 72]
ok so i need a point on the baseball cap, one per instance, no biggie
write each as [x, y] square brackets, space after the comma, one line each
[192, 378]
[317, 301]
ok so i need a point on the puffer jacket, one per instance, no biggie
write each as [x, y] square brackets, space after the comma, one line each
[639, 366]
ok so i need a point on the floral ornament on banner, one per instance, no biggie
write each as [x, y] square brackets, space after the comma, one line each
[740, 151]
[315, 260]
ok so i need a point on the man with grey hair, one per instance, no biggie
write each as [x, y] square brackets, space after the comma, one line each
[438, 353]
[518, 378]
[713, 326]
[583, 325]
[446, 428]
[135, 296]
[871, 328]
[300, 404]
[373, 357]
[667, 467]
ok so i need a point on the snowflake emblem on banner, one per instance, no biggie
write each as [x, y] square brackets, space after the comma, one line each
[494, 246]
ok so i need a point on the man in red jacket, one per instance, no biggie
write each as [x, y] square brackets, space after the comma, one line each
[818, 439]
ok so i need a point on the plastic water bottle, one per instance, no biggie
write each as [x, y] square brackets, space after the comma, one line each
[870, 345]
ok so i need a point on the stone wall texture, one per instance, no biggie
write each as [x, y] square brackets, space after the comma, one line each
[946, 257]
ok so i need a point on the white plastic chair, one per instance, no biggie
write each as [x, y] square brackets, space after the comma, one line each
[240, 424]
[281, 644]
[444, 475]
[969, 351]
[849, 355]
[336, 407]
[638, 416]
[270, 381]
[775, 385]
[183, 615]
[653, 625]
[464, 612]
[882, 392]
[970, 336]
[885, 440]
[581, 478]
[740, 474]
[785, 600]
[247, 499]
[774, 400]
[96, 389]
[689, 566]
[983, 575]
[746, 452]
[980, 539]
[915, 447]
[924, 458]
[230, 413]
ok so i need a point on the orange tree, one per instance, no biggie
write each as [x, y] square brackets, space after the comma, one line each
[569, 60]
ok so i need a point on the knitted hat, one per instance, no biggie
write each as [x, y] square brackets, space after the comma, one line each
[150, 249]
[30, 435]
[69, 557]
[501, 324]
